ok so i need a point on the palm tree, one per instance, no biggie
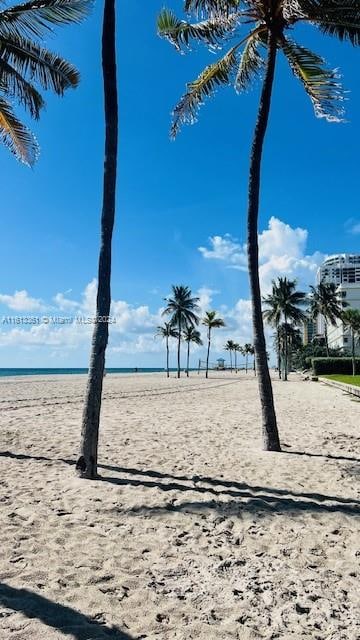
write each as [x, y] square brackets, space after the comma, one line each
[167, 331]
[351, 319]
[211, 322]
[247, 349]
[229, 346]
[237, 349]
[266, 24]
[24, 63]
[252, 353]
[183, 309]
[87, 462]
[190, 334]
[326, 302]
[284, 302]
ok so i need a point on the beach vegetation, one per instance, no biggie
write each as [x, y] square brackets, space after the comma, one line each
[166, 331]
[325, 301]
[191, 335]
[87, 462]
[351, 319]
[211, 321]
[27, 67]
[183, 310]
[230, 347]
[285, 314]
[254, 33]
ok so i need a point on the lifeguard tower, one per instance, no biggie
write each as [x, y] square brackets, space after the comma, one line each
[220, 364]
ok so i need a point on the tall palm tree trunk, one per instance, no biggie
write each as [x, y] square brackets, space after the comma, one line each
[235, 358]
[87, 462]
[208, 354]
[246, 363]
[279, 352]
[326, 338]
[187, 360]
[230, 361]
[271, 440]
[178, 353]
[167, 357]
[353, 352]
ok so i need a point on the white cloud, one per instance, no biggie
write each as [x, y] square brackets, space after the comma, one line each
[281, 252]
[21, 301]
[352, 226]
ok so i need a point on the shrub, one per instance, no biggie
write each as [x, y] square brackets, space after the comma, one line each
[334, 365]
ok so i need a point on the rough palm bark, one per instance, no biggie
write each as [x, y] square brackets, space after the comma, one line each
[270, 434]
[87, 462]
[188, 359]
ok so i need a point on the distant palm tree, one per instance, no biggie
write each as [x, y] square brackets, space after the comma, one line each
[211, 322]
[284, 304]
[248, 350]
[25, 63]
[237, 349]
[167, 331]
[220, 22]
[190, 334]
[229, 346]
[86, 465]
[351, 319]
[182, 307]
[325, 301]
[251, 351]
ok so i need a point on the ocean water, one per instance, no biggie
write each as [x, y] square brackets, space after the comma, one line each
[4, 373]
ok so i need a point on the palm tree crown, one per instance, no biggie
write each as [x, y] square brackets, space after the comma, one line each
[24, 63]
[167, 330]
[218, 21]
[211, 320]
[325, 301]
[284, 302]
[190, 334]
[182, 307]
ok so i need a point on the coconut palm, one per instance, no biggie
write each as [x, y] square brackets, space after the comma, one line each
[247, 350]
[26, 64]
[211, 321]
[190, 334]
[237, 349]
[167, 331]
[229, 346]
[182, 308]
[325, 301]
[284, 304]
[87, 462]
[254, 30]
[351, 319]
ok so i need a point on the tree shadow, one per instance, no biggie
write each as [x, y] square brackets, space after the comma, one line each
[58, 616]
[328, 456]
[249, 497]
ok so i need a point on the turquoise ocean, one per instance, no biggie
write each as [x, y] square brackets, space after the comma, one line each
[4, 373]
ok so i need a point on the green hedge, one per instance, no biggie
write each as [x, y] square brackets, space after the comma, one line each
[334, 365]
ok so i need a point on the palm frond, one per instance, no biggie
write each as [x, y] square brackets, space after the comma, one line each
[16, 136]
[251, 63]
[38, 64]
[218, 73]
[320, 84]
[340, 19]
[179, 33]
[13, 85]
[36, 17]
[210, 7]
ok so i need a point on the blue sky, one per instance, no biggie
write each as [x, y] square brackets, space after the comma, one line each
[172, 196]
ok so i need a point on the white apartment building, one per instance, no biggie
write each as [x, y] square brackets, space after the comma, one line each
[342, 269]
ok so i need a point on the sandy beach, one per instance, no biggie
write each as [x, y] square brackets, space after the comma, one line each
[193, 532]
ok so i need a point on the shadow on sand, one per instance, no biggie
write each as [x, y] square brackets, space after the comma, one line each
[58, 616]
[251, 498]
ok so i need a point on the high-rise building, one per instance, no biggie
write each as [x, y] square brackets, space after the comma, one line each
[343, 270]
[309, 331]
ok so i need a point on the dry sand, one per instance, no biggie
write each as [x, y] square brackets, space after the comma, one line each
[193, 532]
